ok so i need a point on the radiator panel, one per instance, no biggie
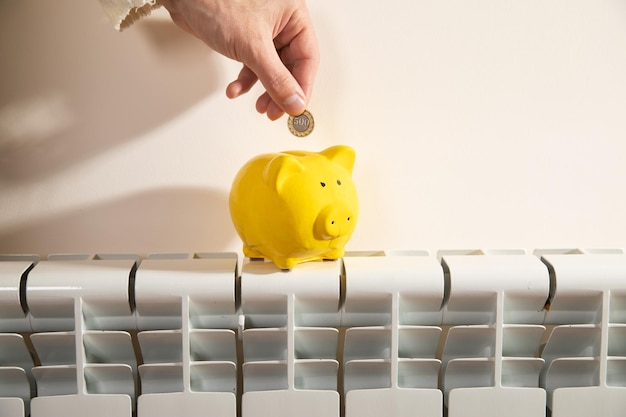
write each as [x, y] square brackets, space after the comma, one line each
[462, 333]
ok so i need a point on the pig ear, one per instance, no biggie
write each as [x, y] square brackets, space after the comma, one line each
[341, 155]
[281, 168]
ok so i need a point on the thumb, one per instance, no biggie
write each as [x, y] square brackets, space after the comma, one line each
[279, 82]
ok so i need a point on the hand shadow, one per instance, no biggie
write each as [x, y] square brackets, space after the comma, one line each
[73, 87]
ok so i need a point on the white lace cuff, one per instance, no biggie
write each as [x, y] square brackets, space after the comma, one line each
[123, 13]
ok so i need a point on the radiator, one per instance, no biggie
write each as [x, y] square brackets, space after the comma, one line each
[459, 333]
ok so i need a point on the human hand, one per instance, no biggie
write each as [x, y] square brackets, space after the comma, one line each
[273, 39]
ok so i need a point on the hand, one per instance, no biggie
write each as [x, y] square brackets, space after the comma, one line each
[273, 39]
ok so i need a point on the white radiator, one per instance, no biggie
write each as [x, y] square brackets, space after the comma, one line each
[463, 333]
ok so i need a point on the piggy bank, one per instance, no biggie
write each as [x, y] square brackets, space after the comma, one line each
[295, 206]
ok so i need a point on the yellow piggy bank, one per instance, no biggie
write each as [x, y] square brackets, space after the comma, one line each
[295, 206]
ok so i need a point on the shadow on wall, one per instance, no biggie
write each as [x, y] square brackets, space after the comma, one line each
[162, 220]
[73, 87]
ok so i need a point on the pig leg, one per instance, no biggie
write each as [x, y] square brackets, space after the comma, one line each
[286, 263]
[252, 253]
[334, 254]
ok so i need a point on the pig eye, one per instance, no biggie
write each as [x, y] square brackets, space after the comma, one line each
[338, 182]
[323, 184]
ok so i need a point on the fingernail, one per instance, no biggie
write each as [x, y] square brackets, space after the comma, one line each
[294, 105]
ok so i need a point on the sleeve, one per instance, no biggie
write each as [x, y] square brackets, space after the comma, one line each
[123, 13]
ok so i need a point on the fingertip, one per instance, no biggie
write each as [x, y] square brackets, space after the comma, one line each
[263, 103]
[274, 112]
[294, 105]
[244, 82]
[234, 89]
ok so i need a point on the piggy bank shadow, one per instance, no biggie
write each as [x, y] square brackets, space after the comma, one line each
[161, 220]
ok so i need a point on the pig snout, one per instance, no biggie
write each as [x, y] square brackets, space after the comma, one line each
[333, 222]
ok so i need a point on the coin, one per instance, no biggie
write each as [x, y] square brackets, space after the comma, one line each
[301, 125]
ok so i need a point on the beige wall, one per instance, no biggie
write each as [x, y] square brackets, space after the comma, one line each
[477, 124]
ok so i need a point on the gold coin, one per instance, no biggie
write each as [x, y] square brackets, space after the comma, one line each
[301, 125]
